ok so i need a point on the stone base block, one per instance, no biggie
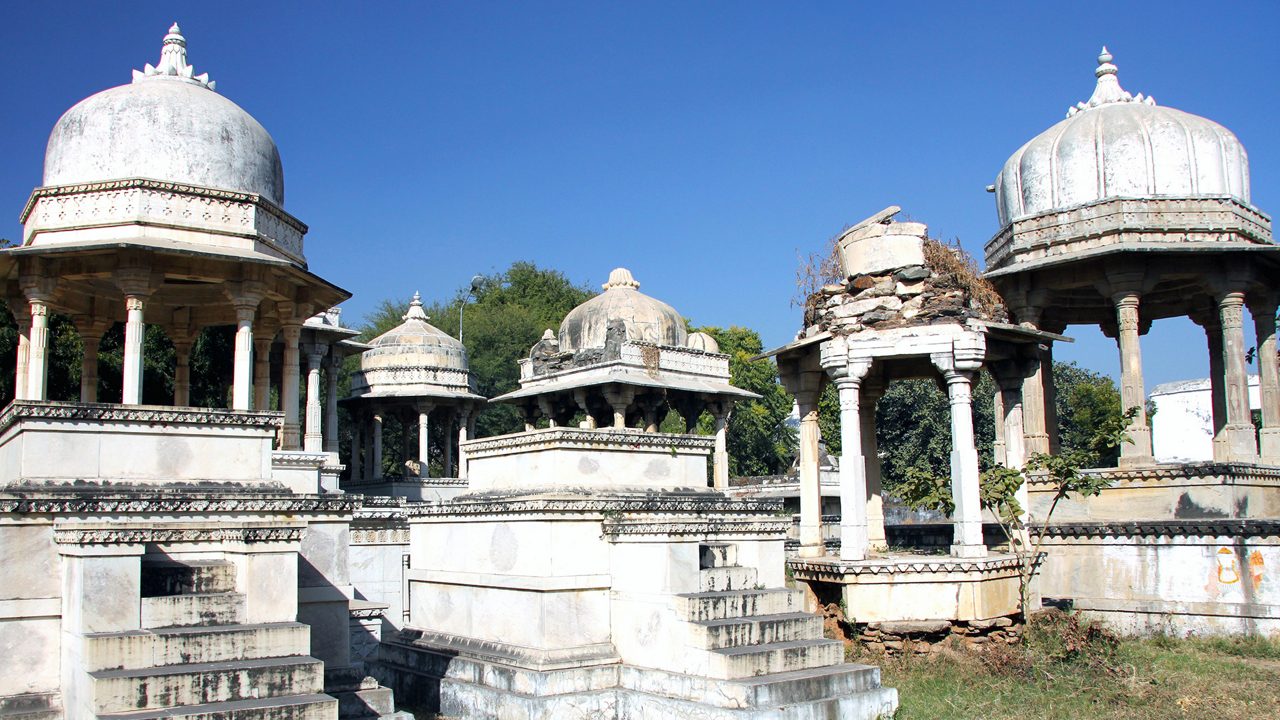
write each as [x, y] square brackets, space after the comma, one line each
[913, 587]
[30, 706]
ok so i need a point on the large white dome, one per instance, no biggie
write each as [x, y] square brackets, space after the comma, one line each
[1117, 145]
[644, 319]
[167, 125]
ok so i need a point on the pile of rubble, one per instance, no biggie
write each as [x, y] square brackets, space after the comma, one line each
[922, 637]
[897, 276]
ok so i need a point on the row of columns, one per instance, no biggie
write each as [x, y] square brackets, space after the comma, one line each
[251, 380]
[367, 443]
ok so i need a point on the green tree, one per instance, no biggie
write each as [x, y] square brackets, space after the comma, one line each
[760, 442]
[1085, 402]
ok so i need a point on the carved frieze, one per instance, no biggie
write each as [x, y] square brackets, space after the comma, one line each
[19, 410]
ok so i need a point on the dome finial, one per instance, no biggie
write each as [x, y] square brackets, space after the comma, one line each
[415, 309]
[173, 62]
[621, 278]
[1108, 89]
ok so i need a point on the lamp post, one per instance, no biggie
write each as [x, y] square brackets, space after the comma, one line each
[476, 281]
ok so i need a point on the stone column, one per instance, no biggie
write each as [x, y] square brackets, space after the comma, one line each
[313, 441]
[619, 398]
[1015, 454]
[424, 440]
[182, 372]
[448, 445]
[38, 364]
[1050, 412]
[23, 359]
[1217, 390]
[331, 404]
[289, 379]
[1241, 444]
[1264, 322]
[580, 397]
[997, 420]
[262, 372]
[376, 456]
[853, 469]
[964, 469]
[720, 459]
[89, 368]
[811, 544]
[242, 372]
[134, 332]
[1132, 392]
[464, 434]
[872, 391]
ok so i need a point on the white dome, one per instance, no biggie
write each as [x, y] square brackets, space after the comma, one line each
[1120, 146]
[413, 345]
[167, 125]
[644, 318]
[702, 341]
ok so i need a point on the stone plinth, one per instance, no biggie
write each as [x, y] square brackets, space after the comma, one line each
[55, 442]
[426, 489]
[606, 459]
[915, 587]
[1169, 492]
[1201, 577]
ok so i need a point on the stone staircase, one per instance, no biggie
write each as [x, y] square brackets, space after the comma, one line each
[197, 658]
[755, 652]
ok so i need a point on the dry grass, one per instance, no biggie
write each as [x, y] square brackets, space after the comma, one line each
[819, 268]
[1147, 679]
[957, 270]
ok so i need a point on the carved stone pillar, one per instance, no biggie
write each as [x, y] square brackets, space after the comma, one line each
[1240, 440]
[331, 404]
[619, 398]
[134, 332]
[375, 457]
[182, 372]
[1217, 390]
[1132, 392]
[872, 390]
[465, 429]
[580, 397]
[964, 469]
[424, 439]
[242, 370]
[811, 544]
[354, 461]
[1264, 321]
[720, 411]
[313, 440]
[38, 367]
[262, 371]
[447, 450]
[290, 377]
[853, 478]
[23, 360]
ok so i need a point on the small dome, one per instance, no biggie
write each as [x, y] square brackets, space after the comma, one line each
[167, 125]
[644, 318]
[1117, 145]
[415, 343]
[702, 341]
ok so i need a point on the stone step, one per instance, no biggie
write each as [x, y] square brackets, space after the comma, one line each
[753, 660]
[714, 555]
[797, 688]
[755, 630]
[161, 578]
[117, 691]
[138, 649]
[31, 706]
[737, 603]
[312, 706]
[719, 579]
[197, 609]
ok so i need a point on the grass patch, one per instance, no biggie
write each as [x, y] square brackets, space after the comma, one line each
[1068, 671]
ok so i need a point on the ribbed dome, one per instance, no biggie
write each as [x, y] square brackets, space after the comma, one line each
[1120, 146]
[167, 125]
[702, 341]
[415, 343]
[644, 318]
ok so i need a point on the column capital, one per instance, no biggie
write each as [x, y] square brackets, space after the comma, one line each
[292, 332]
[853, 371]
[135, 281]
[38, 288]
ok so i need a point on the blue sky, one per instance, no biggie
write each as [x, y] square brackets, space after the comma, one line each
[704, 145]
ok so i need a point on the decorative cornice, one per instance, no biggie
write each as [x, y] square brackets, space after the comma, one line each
[298, 459]
[19, 410]
[596, 503]
[50, 191]
[615, 528]
[149, 501]
[1164, 474]
[622, 439]
[837, 569]
[135, 535]
[1165, 528]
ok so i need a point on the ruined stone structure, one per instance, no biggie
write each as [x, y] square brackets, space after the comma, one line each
[590, 572]
[1124, 213]
[411, 372]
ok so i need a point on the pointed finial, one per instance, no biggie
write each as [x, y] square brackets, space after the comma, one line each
[621, 278]
[1108, 89]
[415, 309]
[173, 62]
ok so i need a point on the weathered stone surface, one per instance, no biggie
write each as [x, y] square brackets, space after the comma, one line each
[916, 626]
[884, 253]
[915, 272]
